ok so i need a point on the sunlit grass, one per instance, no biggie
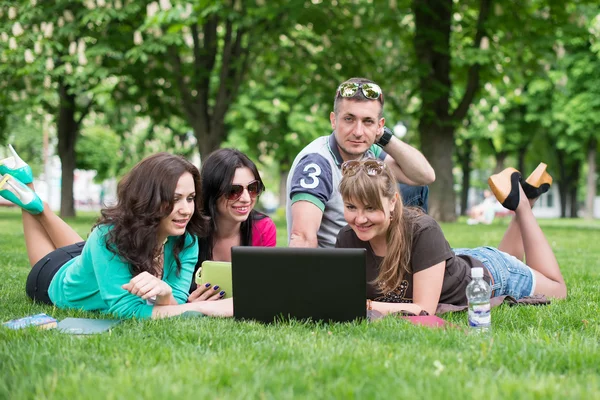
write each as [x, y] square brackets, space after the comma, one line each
[534, 352]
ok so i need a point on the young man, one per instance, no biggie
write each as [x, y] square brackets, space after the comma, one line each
[315, 210]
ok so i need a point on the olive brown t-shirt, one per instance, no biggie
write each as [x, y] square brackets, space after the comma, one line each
[429, 248]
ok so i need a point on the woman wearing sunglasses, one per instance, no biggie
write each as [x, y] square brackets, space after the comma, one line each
[231, 186]
[139, 258]
[410, 265]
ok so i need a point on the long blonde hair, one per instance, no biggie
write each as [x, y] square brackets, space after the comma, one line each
[369, 189]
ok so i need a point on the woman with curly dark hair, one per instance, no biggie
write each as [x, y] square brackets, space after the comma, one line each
[138, 260]
[231, 186]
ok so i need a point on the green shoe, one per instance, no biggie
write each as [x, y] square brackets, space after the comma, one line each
[16, 167]
[16, 192]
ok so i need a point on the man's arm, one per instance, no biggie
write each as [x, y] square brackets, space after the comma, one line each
[306, 220]
[408, 164]
[310, 188]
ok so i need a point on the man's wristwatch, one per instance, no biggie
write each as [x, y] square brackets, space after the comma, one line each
[386, 137]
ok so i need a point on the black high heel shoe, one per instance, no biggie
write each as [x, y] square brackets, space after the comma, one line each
[505, 186]
[537, 183]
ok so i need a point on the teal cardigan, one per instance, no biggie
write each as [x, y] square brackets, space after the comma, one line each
[93, 280]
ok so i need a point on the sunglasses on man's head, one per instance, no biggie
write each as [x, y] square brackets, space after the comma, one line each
[369, 90]
[371, 167]
[254, 188]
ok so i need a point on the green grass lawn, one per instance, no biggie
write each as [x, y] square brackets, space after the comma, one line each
[534, 352]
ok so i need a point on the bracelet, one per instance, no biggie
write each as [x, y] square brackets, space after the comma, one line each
[369, 305]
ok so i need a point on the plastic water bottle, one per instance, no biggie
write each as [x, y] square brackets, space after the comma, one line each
[478, 295]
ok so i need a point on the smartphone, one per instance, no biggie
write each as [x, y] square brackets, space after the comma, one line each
[216, 273]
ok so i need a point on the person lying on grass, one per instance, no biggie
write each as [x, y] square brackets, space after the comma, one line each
[231, 186]
[139, 258]
[410, 265]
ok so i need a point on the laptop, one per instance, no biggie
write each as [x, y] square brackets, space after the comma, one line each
[277, 283]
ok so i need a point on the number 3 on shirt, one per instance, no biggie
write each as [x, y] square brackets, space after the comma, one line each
[313, 172]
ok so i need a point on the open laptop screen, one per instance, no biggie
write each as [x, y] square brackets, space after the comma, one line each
[281, 283]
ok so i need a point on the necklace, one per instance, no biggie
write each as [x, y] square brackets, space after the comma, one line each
[158, 261]
[161, 251]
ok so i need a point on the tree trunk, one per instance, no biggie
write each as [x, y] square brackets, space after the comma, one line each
[432, 46]
[573, 203]
[591, 180]
[562, 191]
[500, 160]
[433, 22]
[521, 159]
[208, 139]
[204, 109]
[67, 132]
[207, 144]
[573, 184]
[563, 183]
[464, 195]
[465, 163]
[439, 151]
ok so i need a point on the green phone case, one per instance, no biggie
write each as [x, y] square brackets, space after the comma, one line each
[216, 273]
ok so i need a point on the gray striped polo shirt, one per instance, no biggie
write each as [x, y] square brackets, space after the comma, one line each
[315, 177]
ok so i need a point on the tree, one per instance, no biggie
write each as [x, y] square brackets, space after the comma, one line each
[199, 55]
[98, 149]
[286, 101]
[563, 100]
[580, 106]
[56, 53]
[437, 121]
[23, 134]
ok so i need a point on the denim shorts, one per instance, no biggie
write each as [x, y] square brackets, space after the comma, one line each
[510, 276]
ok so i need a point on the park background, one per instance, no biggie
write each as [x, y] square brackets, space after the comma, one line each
[476, 85]
[88, 88]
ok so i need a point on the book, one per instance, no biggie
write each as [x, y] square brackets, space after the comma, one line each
[41, 321]
[86, 326]
[432, 321]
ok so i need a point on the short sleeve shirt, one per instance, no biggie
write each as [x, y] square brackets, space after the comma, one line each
[264, 233]
[315, 177]
[429, 248]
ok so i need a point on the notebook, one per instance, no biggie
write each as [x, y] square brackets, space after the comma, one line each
[281, 283]
[86, 326]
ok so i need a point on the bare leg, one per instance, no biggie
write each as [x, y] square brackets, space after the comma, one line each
[512, 242]
[45, 233]
[37, 241]
[58, 230]
[540, 257]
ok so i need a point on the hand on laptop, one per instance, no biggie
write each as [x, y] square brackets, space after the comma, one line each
[206, 292]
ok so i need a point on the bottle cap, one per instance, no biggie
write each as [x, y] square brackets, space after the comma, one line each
[477, 272]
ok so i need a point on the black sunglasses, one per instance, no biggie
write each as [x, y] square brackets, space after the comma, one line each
[254, 188]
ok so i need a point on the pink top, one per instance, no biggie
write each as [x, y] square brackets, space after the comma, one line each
[264, 233]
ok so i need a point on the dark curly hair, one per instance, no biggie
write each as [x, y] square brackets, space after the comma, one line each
[144, 198]
[217, 174]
